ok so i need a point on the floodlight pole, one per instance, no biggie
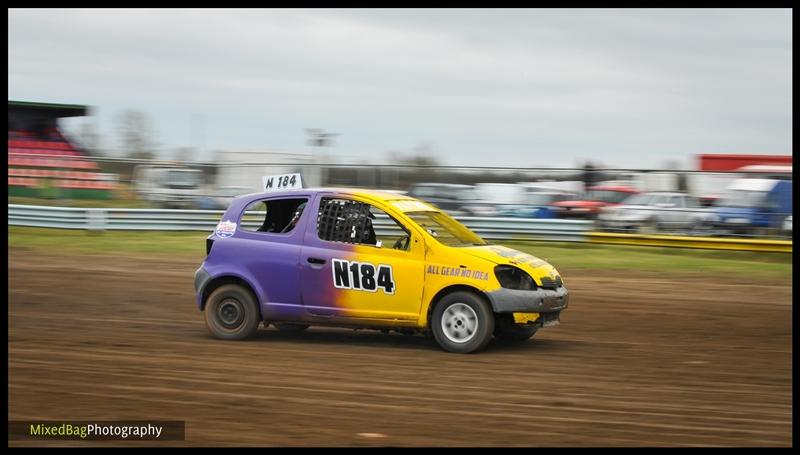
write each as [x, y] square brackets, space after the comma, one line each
[319, 138]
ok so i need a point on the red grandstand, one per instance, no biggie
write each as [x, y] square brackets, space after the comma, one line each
[42, 162]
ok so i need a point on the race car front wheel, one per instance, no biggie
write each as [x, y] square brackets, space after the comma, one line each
[232, 313]
[462, 322]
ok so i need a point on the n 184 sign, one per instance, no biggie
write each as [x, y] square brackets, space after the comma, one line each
[282, 182]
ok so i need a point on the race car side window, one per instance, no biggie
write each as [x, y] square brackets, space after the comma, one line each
[355, 222]
[276, 216]
[388, 232]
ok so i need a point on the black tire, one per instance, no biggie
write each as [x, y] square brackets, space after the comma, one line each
[231, 313]
[455, 312]
[506, 330]
[290, 327]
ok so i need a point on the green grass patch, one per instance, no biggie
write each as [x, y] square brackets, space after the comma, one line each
[562, 255]
[657, 259]
[107, 203]
[189, 244]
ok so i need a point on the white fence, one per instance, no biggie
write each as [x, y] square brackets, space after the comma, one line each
[488, 228]
[206, 220]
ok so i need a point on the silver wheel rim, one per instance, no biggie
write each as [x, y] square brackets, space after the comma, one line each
[459, 323]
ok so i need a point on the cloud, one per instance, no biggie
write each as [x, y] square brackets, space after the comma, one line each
[515, 87]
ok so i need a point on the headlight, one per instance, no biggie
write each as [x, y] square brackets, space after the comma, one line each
[514, 278]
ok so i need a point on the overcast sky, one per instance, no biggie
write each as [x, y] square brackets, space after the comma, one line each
[626, 88]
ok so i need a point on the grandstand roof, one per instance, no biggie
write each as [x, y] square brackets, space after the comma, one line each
[57, 110]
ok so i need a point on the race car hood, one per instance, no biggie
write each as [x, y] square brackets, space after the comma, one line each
[497, 254]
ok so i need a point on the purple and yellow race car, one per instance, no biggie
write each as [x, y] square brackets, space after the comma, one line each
[295, 257]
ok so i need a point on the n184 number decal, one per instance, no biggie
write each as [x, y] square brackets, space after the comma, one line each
[362, 276]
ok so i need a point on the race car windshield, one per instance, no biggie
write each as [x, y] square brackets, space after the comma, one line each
[445, 229]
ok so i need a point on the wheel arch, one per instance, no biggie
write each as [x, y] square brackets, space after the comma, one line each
[222, 280]
[448, 290]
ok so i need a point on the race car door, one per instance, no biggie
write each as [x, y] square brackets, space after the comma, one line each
[359, 262]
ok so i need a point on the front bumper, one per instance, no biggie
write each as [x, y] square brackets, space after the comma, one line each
[538, 301]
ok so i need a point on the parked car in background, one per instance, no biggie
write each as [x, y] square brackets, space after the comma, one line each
[709, 187]
[221, 198]
[753, 206]
[787, 226]
[167, 186]
[538, 204]
[492, 198]
[560, 186]
[655, 211]
[449, 197]
[595, 198]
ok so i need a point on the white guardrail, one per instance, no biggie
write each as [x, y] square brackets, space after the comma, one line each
[206, 220]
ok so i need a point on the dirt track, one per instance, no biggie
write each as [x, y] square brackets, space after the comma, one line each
[637, 360]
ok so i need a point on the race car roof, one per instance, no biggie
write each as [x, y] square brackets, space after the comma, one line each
[378, 195]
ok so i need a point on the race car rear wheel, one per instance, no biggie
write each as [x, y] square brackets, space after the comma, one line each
[462, 322]
[506, 330]
[231, 313]
[290, 326]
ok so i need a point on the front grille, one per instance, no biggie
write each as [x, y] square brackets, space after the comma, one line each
[549, 283]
